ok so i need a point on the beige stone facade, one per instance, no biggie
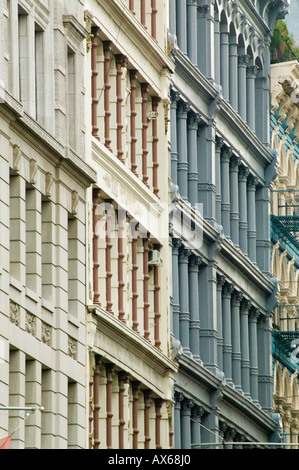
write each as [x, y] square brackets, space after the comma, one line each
[84, 309]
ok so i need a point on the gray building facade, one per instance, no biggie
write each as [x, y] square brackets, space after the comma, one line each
[222, 167]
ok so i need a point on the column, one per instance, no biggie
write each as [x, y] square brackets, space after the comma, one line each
[33, 398]
[245, 363]
[154, 19]
[224, 60]
[157, 289]
[121, 62]
[194, 263]
[135, 390]
[220, 284]
[158, 405]
[107, 86]
[174, 96]
[109, 215]
[94, 76]
[133, 76]
[155, 103]
[227, 332]
[242, 104]
[134, 283]
[218, 197]
[144, 90]
[187, 405]
[243, 223]
[147, 405]
[263, 242]
[183, 109]
[234, 200]
[27, 62]
[17, 361]
[192, 30]
[14, 75]
[205, 40]
[262, 107]
[236, 340]
[253, 358]
[265, 379]
[122, 379]
[207, 286]
[206, 170]
[225, 204]
[216, 58]
[181, 25]
[193, 120]
[196, 416]
[96, 403]
[17, 188]
[251, 212]
[233, 72]
[33, 240]
[172, 16]
[142, 13]
[145, 288]
[184, 255]
[250, 91]
[131, 6]
[176, 243]
[121, 217]
[178, 398]
[109, 373]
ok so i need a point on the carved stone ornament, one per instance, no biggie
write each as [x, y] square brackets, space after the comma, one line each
[30, 323]
[16, 157]
[14, 313]
[72, 348]
[46, 334]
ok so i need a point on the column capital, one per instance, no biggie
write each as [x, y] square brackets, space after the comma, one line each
[245, 306]
[220, 281]
[219, 142]
[121, 60]
[235, 162]
[184, 253]
[252, 182]
[194, 262]
[133, 74]
[174, 97]
[237, 297]
[243, 173]
[176, 244]
[197, 412]
[228, 289]
[193, 120]
[254, 314]
[183, 109]
[178, 398]
[243, 60]
[226, 154]
[187, 404]
[252, 71]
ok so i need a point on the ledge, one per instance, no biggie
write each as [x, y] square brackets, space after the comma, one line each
[54, 151]
[136, 346]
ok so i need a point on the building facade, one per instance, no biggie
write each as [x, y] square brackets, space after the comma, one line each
[284, 235]
[223, 295]
[85, 324]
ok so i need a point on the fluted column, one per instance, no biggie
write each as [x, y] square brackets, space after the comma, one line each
[251, 213]
[174, 96]
[236, 340]
[187, 405]
[220, 284]
[218, 198]
[245, 362]
[194, 310]
[265, 379]
[178, 398]
[243, 222]
[233, 73]
[225, 186]
[227, 331]
[121, 62]
[107, 86]
[133, 75]
[184, 255]
[183, 109]
[176, 243]
[135, 390]
[242, 104]
[147, 405]
[192, 30]
[253, 316]
[193, 120]
[250, 87]
[234, 200]
[181, 25]
[224, 60]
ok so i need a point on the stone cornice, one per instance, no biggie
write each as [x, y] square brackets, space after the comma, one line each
[211, 382]
[41, 140]
[121, 185]
[138, 34]
[136, 346]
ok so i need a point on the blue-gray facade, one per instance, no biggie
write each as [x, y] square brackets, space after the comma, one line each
[223, 296]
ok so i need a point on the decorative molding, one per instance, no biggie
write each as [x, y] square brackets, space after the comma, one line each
[17, 154]
[46, 335]
[14, 313]
[30, 323]
[72, 348]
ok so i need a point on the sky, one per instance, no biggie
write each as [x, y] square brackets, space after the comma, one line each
[292, 19]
